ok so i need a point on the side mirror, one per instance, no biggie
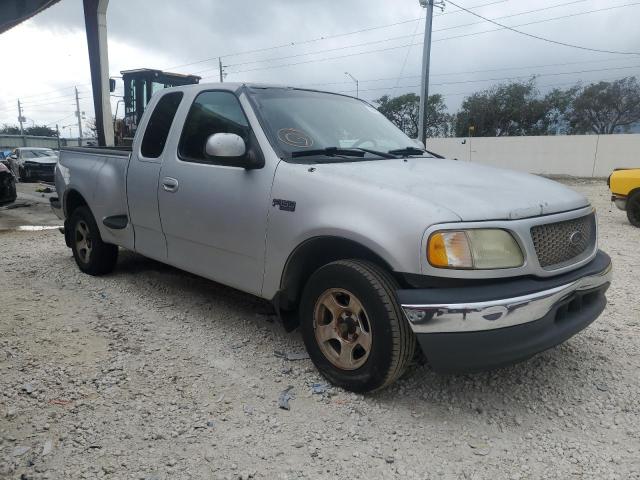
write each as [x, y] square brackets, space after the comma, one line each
[233, 148]
[226, 145]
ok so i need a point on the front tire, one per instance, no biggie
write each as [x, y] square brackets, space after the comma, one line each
[91, 254]
[353, 327]
[633, 209]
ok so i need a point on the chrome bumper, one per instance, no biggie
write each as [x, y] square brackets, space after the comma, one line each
[494, 314]
[620, 202]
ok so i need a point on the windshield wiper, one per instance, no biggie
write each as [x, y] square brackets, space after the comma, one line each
[413, 151]
[345, 152]
[329, 152]
[376, 152]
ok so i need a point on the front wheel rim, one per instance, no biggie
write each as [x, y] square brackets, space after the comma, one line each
[84, 244]
[342, 329]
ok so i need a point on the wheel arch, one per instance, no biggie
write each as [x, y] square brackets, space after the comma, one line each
[305, 259]
[72, 200]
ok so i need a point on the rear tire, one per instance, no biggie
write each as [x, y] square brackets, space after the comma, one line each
[353, 327]
[633, 209]
[91, 254]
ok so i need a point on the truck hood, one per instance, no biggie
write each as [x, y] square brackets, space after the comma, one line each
[472, 191]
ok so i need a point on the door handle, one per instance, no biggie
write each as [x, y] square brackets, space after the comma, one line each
[169, 184]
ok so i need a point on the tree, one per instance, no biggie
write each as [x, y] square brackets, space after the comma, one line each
[606, 107]
[41, 131]
[509, 109]
[10, 129]
[404, 112]
[559, 105]
[90, 128]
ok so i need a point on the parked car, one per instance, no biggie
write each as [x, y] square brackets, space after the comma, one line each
[29, 164]
[625, 192]
[7, 185]
[374, 247]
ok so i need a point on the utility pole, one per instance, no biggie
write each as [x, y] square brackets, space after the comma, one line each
[58, 132]
[426, 58]
[221, 72]
[20, 118]
[357, 84]
[79, 117]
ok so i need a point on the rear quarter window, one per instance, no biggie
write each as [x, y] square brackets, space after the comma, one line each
[155, 136]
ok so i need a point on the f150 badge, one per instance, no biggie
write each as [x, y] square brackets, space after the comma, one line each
[286, 205]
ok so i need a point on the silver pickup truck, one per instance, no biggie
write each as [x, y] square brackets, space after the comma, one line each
[379, 250]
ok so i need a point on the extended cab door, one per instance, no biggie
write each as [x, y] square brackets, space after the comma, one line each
[214, 212]
[149, 150]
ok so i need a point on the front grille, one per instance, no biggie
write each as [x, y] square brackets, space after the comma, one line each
[562, 242]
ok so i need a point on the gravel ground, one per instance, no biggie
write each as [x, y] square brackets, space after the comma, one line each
[152, 373]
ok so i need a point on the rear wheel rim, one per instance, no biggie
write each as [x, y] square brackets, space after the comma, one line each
[342, 329]
[83, 241]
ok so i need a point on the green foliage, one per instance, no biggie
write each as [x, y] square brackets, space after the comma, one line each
[504, 110]
[606, 107]
[41, 131]
[404, 111]
[10, 129]
[36, 130]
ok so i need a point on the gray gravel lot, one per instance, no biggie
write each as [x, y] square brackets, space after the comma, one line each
[152, 373]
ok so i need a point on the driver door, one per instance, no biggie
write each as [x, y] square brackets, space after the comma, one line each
[214, 212]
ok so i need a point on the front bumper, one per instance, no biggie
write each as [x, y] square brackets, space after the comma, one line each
[43, 171]
[491, 325]
[620, 201]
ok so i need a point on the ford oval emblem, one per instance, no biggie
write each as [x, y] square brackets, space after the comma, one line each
[576, 238]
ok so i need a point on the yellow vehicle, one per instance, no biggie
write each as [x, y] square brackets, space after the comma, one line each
[625, 192]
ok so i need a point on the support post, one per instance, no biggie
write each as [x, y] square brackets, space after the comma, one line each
[79, 117]
[95, 19]
[20, 117]
[426, 58]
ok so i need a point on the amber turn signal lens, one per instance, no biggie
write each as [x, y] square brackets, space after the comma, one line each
[450, 249]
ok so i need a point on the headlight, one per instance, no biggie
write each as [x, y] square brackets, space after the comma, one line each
[474, 249]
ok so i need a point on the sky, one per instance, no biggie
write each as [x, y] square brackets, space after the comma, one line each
[313, 43]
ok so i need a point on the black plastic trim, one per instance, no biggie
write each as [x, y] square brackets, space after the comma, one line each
[116, 222]
[487, 349]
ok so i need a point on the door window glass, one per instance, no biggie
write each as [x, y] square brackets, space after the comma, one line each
[211, 112]
[155, 136]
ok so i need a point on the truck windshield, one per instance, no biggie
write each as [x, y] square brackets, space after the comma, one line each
[307, 125]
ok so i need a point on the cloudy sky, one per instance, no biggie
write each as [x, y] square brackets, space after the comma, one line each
[313, 44]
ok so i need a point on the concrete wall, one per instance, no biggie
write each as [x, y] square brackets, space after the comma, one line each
[575, 155]
[8, 142]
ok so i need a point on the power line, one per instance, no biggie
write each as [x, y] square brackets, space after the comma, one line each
[389, 39]
[550, 7]
[512, 77]
[465, 72]
[324, 37]
[267, 67]
[52, 99]
[536, 22]
[70, 100]
[537, 37]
